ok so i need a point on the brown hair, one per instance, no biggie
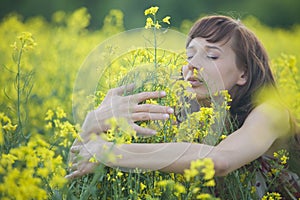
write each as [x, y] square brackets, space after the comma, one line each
[250, 57]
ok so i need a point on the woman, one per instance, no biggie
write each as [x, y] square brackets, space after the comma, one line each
[222, 54]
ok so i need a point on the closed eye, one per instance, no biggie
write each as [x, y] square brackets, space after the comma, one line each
[212, 57]
[189, 57]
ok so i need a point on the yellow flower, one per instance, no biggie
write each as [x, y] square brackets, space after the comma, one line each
[58, 181]
[14, 46]
[1, 135]
[210, 183]
[157, 25]
[27, 40]
[282, 156]
[149, 23]
[162, 183]
[272, 196]
[31, 165]
[223, 137]
[166, 19]
[142, 186]
[253, 189]
[9, 127]
[283, 159]
[151, 10]
[190, 173]
[195, 190]
[60, 113]
[204, 196]
[49, 115]
[48, 125]
[93, 159]
[179, 188]
[119, 174]
[43, 172]
[208, 173]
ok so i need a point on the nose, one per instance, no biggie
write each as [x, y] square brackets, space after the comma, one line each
[188, 70]
[188, 67]
[191, 67]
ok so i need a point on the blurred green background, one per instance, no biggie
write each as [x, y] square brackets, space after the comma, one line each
[274, 13]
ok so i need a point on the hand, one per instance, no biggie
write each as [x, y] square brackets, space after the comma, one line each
[128, 107]
[118, 106]
[85, 157]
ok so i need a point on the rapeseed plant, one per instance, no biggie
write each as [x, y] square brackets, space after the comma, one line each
[31, 171]
[34, 164]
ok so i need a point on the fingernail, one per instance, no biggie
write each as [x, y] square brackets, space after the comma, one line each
[166, 116]
[163, 93]
[170, 110]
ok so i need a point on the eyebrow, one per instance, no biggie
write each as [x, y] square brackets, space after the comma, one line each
[213, 47]
[206, 47]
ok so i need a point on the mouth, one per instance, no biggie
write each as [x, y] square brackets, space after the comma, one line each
[195, 81]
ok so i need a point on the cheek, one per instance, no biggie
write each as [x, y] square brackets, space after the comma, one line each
[215, 79]
[228, 80]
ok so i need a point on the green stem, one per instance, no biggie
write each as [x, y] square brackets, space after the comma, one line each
[19, 91]
[155, 45]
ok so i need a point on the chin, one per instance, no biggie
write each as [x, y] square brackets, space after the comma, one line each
[201, 93]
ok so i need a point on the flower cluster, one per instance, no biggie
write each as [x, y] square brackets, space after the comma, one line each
[151, 20]
[26, 42]
[272, 196]
[28, 169]
[5, 126]
[282, 156]
[63, 132]
[200, 175]
[279, 163]
[197, 126]
[170, 186]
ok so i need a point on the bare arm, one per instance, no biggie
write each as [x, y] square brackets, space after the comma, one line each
[263, 126]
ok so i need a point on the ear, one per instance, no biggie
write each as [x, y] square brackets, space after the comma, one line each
[243, 77]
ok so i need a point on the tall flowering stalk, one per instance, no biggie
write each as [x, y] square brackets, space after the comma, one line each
[24, 43]
[30, 167]
[152, 22]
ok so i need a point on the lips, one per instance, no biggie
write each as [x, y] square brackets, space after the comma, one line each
[195, 81]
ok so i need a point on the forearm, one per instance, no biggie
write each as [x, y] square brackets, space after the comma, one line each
[167, 157]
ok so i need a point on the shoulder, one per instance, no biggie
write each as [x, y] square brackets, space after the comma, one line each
[271, 117]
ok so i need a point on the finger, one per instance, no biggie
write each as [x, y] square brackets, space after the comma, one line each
[145, 116]
[140, 97]
[151, 108]
[76, 158]
[75, 149]
[143, 131]
[87, 168]
[76, 142]
[73, 167]
[122, 90]
[74, 174]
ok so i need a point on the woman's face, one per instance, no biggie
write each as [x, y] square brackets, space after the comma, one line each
[211, 68]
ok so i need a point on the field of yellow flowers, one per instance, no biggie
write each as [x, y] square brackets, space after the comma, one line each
[40, 61]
